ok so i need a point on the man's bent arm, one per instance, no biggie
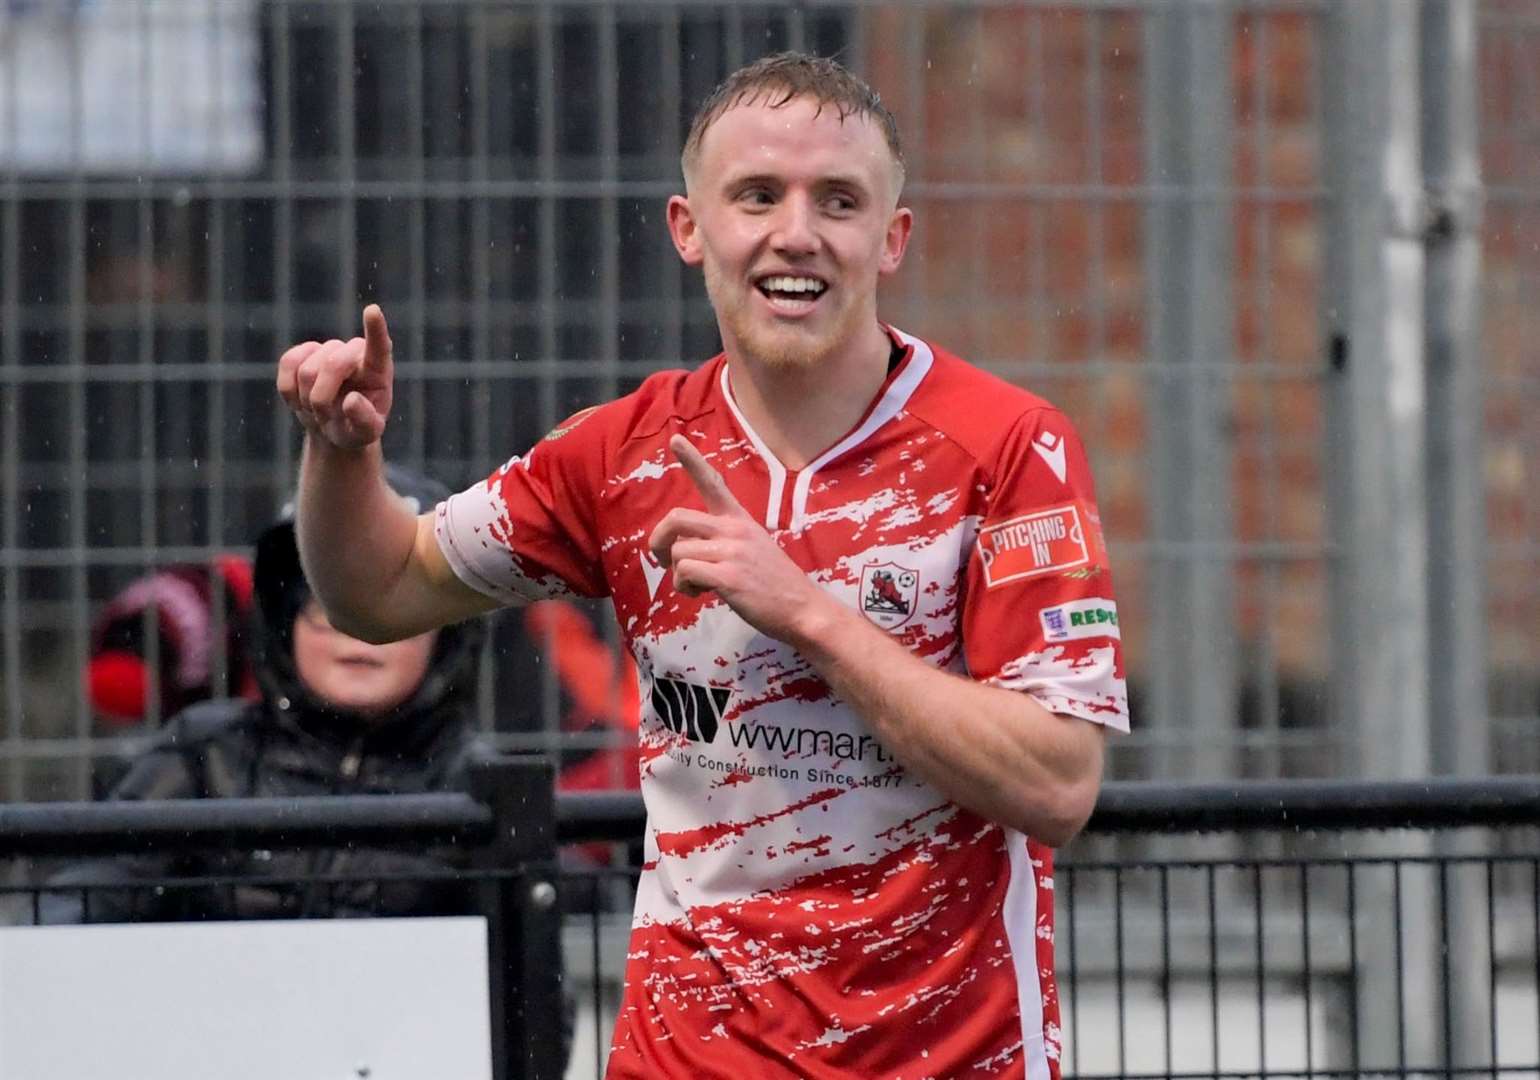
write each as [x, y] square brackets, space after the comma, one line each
[997, 752]
[375, 565]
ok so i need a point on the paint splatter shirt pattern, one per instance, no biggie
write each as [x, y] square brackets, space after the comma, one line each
[807, 907]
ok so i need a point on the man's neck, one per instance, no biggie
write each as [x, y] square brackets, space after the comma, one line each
[800, 412]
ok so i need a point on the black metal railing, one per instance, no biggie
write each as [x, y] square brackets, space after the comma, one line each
[505, 825]
[1281, 928]
[1142, 806]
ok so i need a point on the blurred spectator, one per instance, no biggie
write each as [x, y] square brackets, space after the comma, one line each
[334, 716]
[166, 641]
[178, 606]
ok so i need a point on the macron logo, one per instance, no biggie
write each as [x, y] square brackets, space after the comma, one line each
[653, 571]
[1050, 448]
[689, 709]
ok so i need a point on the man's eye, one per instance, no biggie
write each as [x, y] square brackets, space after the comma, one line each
[758, 197]
[841, 203]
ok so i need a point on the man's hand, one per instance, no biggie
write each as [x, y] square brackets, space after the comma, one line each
[726, 551]
[341, 390]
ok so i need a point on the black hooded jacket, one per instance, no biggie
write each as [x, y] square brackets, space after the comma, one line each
[288, 744]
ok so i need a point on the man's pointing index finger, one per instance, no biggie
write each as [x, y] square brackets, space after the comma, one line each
[377, 335]
[709, 482]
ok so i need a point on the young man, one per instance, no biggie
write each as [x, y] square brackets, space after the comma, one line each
[866, 590]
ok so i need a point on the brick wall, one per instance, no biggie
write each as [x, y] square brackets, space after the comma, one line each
[1051, 279]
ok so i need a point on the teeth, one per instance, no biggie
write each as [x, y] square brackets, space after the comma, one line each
[789, 284]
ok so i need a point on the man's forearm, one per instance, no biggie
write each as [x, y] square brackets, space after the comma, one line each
[355, 538]
[996, 752]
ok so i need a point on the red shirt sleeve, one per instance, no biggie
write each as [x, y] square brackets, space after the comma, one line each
[528, 531]
[1039, 612]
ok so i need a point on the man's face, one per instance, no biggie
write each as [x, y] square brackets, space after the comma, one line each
[355, 675]
[791, 213]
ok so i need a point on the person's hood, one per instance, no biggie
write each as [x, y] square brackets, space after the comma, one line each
[441, 701]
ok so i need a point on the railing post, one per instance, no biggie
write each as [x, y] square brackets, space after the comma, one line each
[1377, 445]
[1189, 275]
[1460, 736]
[523, 918]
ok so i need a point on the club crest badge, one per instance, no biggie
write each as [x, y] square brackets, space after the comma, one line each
[571, 422]
[889, 593]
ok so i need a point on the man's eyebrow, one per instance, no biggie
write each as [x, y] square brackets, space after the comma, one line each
[739, 180]
[849, 180]
[844, 180]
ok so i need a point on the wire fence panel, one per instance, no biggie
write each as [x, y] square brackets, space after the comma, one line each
[1121, 205]
[1282, 968]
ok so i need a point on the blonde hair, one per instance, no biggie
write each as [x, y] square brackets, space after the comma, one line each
[780, 78]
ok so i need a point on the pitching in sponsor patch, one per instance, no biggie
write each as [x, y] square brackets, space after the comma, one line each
[1045, 542]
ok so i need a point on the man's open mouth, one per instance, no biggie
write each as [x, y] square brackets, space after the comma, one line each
[791, 287]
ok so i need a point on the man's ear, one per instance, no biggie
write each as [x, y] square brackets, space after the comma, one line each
[896, 241]
[683, 230]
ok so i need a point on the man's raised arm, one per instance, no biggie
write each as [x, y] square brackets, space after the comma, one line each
[374, 564]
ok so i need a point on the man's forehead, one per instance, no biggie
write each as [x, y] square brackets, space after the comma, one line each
[801, 113]
[791, 127]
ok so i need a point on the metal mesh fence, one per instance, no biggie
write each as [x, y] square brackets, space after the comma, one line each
[1120, 205]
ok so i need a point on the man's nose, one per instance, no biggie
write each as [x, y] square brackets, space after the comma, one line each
[796, 226]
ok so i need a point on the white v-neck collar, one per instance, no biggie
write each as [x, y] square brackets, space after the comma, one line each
[893, 399]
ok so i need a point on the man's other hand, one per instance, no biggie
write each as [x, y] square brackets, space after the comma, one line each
[725, 551]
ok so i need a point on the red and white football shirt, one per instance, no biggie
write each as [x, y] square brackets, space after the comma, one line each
[807, 907]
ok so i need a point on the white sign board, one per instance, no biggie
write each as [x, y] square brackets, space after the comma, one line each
[130, 87]
[333, 999]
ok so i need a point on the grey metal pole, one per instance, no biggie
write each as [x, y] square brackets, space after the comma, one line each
[1456, 512]
[1459, 743]
[1376, 454]
[1189, 267]
[1376, 396]
[1189, 261]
